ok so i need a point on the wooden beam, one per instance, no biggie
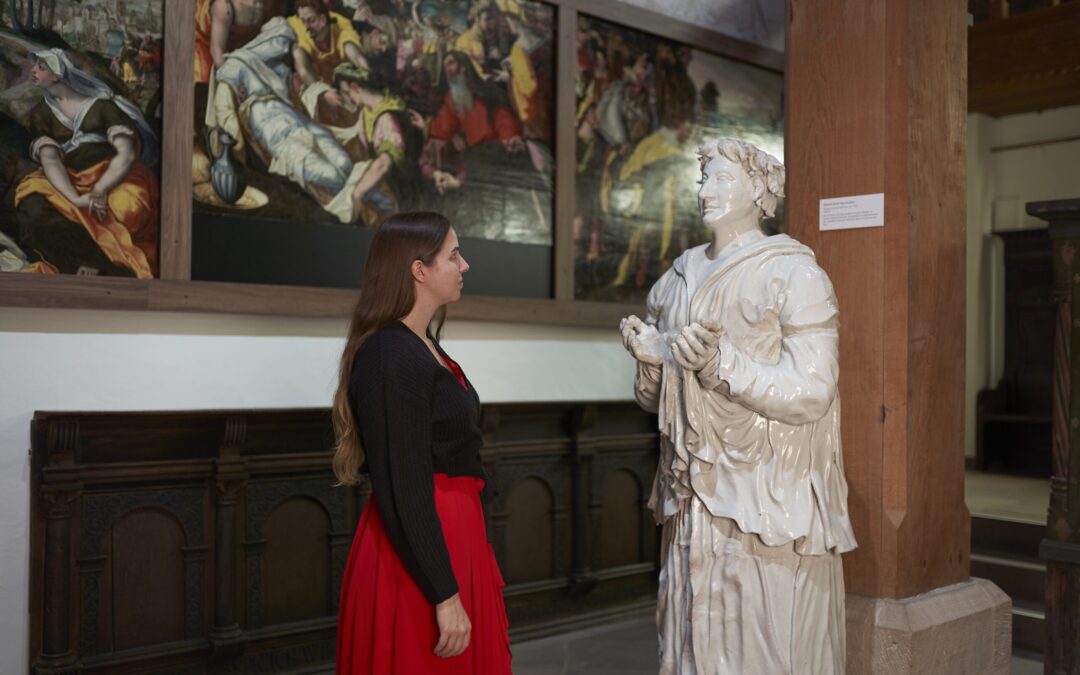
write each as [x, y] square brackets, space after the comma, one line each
[1026, 63]
[565, 152]
[177, 128]
[67, 291]
[876, 105]
[679, 31]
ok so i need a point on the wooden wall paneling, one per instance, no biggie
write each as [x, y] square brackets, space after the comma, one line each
[247, 482]
[177, 129]
[584, 499]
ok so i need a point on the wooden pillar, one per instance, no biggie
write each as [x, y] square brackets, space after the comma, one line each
[876, 103]
[56, 649]
[226, 636]
[1060, 550]
[582, 579]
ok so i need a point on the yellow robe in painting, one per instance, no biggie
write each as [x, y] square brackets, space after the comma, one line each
[128, 234]
[323, 62]
[652, 150]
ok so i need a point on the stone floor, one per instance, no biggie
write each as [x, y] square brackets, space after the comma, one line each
[1009, 497]
[629, 648]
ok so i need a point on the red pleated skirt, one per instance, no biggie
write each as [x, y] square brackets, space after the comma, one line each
[386, 626]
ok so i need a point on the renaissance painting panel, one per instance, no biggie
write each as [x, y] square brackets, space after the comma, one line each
[317, 118]
[644, 104]
[80, 117]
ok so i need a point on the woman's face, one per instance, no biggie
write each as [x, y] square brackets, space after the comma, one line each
[443, 278]
[41, 76]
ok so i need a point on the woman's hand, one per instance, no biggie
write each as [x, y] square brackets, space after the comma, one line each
[455, 630]
[82, 201]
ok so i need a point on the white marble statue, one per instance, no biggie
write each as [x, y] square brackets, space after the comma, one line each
[738, 356]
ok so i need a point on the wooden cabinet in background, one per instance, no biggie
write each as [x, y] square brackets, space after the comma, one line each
[1013, 419]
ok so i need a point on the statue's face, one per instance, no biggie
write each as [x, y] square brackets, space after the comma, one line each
[726, 193]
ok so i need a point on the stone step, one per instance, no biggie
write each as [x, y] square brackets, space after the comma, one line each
[1029, 627]
[1006, 552]
[1022, 580]
[996, 535]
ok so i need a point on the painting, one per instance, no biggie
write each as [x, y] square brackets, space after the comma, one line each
[316, 119]
[644, 104]
[80, 116]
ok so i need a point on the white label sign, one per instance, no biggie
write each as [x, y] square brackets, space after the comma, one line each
[845, 213]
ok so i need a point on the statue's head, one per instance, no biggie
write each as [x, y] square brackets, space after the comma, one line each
[738, 181]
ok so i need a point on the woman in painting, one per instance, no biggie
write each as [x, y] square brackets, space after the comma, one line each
[422, 590]
[386, 136]
[92, 206]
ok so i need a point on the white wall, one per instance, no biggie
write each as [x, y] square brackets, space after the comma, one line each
[1001, 179]
[66, 360]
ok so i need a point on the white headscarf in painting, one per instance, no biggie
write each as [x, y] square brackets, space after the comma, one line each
[85, 84]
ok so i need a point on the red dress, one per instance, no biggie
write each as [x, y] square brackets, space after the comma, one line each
[386, 626]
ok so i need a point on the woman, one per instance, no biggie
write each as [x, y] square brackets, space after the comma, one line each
[422, 591]
[94, 201]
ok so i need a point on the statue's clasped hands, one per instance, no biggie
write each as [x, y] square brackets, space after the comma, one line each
[693, 348]
[696, 347]
[643, 341]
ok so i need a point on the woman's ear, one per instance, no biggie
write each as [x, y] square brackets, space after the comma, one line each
[419, 272]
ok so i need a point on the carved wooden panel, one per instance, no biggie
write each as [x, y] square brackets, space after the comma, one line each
[620, 520]
[145, 580]
[195, 542]
[296, 562]
[100, 514]
[530, 554]
[263, 498]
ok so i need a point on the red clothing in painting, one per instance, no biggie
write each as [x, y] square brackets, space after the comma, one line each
[476, 125]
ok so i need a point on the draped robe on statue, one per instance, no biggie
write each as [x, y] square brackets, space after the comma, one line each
[750, 487]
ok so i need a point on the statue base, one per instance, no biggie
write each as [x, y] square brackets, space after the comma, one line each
[963, 629]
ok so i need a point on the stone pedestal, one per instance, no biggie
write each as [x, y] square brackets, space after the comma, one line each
[962, 629]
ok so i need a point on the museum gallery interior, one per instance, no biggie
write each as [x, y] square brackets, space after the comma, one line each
[692, 229]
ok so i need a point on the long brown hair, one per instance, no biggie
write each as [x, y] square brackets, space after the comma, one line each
[386, 295]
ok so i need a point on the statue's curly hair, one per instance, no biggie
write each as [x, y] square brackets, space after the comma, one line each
[765, 171]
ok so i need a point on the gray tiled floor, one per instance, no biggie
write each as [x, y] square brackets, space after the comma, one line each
[629, 648]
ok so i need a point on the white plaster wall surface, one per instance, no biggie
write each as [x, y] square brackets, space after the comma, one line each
[67, 360]
[757, 21]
